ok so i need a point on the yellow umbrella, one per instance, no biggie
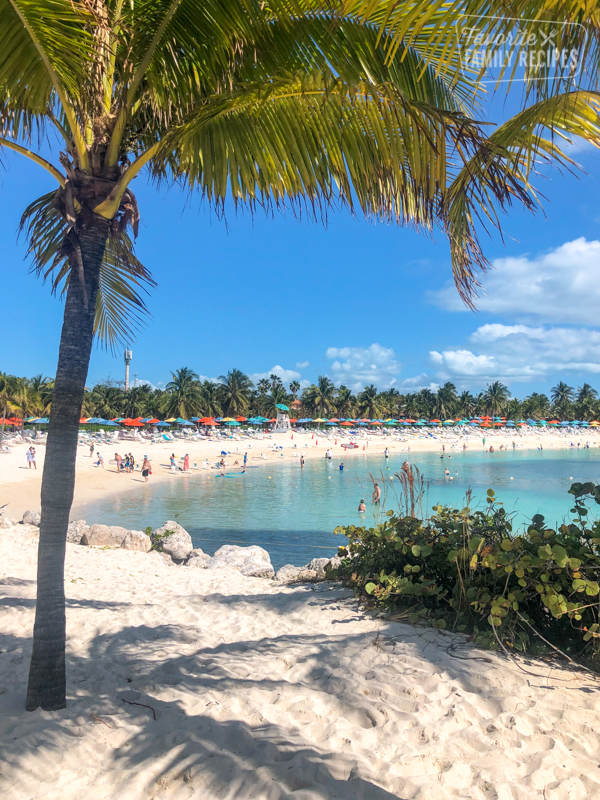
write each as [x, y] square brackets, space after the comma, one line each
[228, 419]
[171, 420]
[594, 423]
[318, 420]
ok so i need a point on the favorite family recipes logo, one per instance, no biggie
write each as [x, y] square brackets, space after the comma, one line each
[505, 49]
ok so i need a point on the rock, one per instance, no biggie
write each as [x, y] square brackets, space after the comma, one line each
[198, 558]
[240, 554]
[104, 536]
[251, 561]
[178, 544]
[334, 563]
[254, 568]
[76, 530]
[5, 522]
[291, 574]
[318, 565]
[136, 540]
[31, 518]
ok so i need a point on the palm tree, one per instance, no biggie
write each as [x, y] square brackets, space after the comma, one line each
[182, 397]
[265, 102]
[320, 397]
[344, 402]
[235, 392]
[466, 404]
[496, 397]
[369, 402]
[446, 400]
[586, 397]
[562, 395]
[105, 402]
[210, 398]
[294, 388]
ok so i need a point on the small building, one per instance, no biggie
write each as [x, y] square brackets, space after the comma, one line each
[283, 418]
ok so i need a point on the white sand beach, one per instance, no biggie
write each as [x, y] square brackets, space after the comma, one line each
[20, 486]
[245, 689]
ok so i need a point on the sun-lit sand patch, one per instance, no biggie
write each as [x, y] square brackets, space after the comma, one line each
[242, 688]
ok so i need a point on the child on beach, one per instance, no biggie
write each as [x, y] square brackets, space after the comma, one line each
[100, 462]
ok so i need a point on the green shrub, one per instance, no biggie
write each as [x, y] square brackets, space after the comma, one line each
[157, 542]
[466, 571]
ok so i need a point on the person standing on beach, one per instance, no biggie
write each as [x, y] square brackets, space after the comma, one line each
[376, 494]
[186, 462]
[484, 441]
[31, 458]
[173, 464]
[119, 461]
[92, 450]
[146, 469]
[245, 459]
[131, 461]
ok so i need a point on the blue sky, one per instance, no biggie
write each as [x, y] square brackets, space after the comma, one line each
[360, 302]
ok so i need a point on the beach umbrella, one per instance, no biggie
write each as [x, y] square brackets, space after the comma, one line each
[584, 424]
[42, 421]
[233, 423]
[376, 422]
[319, 420]
[420, 422]
[210, 423]
[391, 422]
[133, 423]
[594, 424]
[410, 421]
[335, 419]
[510, 424]
[436, 421]
[83, 420]
[362, 424]
[347, 424]
[226, 419]
[152, 421]
[330, 424]
[243, 419]
[162, 425]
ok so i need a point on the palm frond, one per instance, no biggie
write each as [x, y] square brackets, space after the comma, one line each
[120, 304]
[506, 161]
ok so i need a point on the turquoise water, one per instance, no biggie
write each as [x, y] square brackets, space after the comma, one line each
[292, 513]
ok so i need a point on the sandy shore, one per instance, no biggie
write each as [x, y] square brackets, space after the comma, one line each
[20, 486]
[272, 693]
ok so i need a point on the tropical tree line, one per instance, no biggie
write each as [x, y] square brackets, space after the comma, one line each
[234, 394]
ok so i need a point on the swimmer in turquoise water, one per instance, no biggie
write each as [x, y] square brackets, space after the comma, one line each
[362, 507]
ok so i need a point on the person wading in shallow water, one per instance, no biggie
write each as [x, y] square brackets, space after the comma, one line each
[376, 494]
[146, 469]
[302, 461]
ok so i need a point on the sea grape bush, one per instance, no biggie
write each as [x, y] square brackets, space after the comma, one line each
[466, 570]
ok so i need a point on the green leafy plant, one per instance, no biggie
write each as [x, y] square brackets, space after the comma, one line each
[159, 538]
[466, 570]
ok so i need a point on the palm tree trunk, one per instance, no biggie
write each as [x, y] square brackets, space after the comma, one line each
[47, 679]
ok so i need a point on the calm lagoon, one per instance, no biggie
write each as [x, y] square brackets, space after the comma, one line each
[292, 512]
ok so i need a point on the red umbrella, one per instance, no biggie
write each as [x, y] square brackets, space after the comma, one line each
[243, 419]
[350, 424]
[133, 423]
[153, 421]
[209, 422]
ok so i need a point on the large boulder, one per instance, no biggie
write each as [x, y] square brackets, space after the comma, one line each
[104, 536]
[198, 558]
[76, 530]
[136, 540]
[171, 538]
[319, 566]
[291, 574]
[252, 561]
[31, 518]
[315, 570]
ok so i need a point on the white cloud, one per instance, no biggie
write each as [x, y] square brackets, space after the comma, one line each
[286, 375]
[302, 364]
[359, 366]
[561, 286]
[520, 353]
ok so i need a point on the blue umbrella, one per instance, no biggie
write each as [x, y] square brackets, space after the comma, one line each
[510, 424]
[161, 425]
[331, 423]
[362, 424]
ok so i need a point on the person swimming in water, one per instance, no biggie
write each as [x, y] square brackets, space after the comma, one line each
[361, 506]
[447, 472]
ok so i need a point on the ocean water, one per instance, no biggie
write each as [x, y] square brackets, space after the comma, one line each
[292, 512]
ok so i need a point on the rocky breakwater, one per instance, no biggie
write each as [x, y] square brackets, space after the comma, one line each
[172, 544]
